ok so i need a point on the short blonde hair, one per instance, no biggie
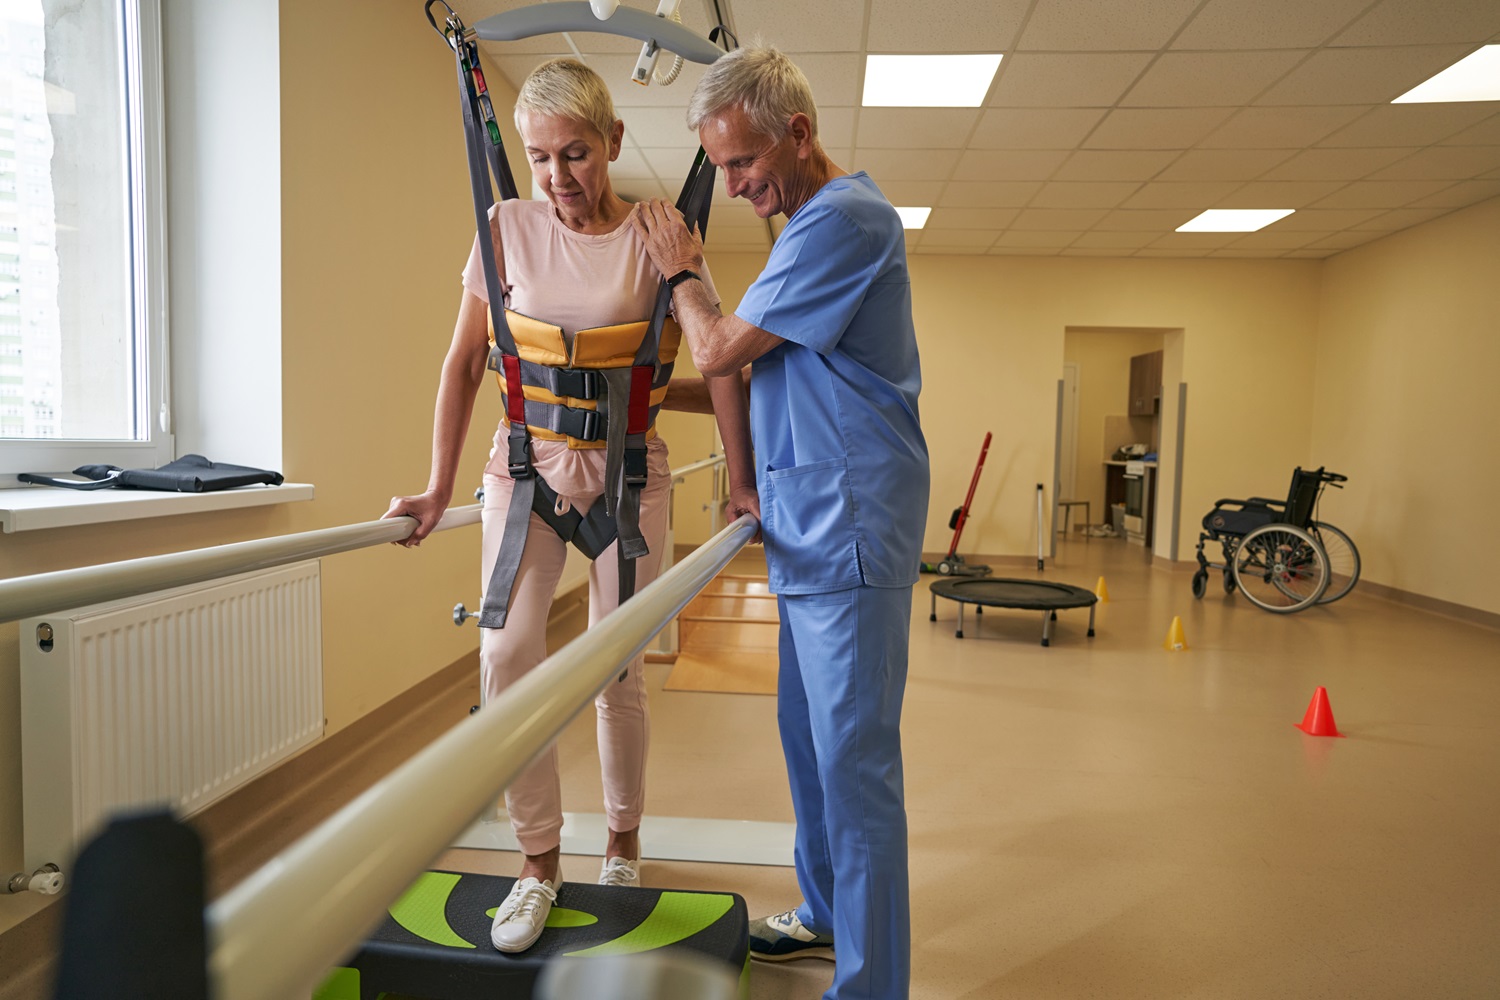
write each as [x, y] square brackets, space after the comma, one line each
[566, 88]
[760, 81]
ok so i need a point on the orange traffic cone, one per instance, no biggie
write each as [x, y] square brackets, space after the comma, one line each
[1319, 718]
[1101, 591]
[1176, 639]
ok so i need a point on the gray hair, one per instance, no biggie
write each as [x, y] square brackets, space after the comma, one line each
[760, 81]
[566, 88]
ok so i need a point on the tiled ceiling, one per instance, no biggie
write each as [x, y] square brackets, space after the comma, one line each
[1110, 122]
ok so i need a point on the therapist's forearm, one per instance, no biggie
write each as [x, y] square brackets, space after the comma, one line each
[732, 411]
[721, 345]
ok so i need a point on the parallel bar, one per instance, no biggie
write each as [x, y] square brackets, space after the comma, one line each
[698, 466]
[44, 593]
[338, 879]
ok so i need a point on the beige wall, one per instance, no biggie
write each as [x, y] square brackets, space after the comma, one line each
[376, 223]
[992, 332]
[992, 336]
[1407, 356]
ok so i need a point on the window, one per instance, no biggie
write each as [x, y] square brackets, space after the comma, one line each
[82, 262]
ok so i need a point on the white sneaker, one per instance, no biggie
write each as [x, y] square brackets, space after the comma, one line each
[520, 919]
[620, 871]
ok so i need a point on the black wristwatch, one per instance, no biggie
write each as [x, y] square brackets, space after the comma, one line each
[682, 276]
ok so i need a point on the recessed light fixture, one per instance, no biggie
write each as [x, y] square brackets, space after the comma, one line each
[942, 81]
[1475, 77]
[913, 218]
[1233, 220]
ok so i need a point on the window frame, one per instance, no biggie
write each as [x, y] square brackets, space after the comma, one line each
[144, 107]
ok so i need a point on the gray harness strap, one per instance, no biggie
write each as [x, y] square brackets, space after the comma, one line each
[625, 453]
[496, 606]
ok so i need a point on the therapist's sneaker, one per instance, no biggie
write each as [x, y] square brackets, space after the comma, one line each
[620, 871]
[520, 919]
[782, 938]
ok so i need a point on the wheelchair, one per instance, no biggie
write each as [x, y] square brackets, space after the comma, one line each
[1276, 552]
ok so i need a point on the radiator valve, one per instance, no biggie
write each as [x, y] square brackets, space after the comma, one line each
[46, 880]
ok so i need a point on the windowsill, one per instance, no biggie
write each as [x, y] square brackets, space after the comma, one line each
[36, 507]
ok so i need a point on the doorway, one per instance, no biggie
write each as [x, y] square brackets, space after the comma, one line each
[1101, 416]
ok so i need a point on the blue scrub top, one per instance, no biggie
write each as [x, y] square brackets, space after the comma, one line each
[841, 463]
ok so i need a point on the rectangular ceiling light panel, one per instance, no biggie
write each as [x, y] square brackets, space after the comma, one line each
[913, 218]
[1233, 220]
[935, 81]
[1476, 77]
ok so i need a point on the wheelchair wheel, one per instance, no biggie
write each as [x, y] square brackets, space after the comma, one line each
[1229, 579]
[1200, 583]
[1343, 560]
[1281, 568]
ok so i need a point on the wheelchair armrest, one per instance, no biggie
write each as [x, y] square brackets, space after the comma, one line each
[1264, 502]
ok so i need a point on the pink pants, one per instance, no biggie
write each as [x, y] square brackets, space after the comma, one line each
[534, 800]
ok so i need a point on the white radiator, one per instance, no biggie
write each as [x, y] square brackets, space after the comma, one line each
[172, 698]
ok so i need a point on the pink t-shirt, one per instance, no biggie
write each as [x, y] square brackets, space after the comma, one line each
[576, 281]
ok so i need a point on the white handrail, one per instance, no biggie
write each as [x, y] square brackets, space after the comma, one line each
[44, 593]
[340, 877]
[706, 463]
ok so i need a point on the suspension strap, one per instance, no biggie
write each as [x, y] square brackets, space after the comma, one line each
[625, 476]
[485, 152]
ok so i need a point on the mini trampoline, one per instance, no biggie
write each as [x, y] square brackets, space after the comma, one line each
[1021, 595]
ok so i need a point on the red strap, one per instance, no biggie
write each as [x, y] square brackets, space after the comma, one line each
[641, 377]
[515, 397]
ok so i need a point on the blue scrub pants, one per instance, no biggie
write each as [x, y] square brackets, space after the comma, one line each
[843, 675]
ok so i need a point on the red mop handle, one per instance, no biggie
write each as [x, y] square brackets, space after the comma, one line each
[963, 513]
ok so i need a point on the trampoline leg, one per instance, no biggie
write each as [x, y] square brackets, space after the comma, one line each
[1047, 617]
[1091, 619]
[979, 609]
[959, 634]
[1054, 616]
[933, 616]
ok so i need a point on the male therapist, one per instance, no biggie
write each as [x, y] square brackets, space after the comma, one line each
[839, 476]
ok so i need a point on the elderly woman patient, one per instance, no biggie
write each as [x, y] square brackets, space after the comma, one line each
[578, 289]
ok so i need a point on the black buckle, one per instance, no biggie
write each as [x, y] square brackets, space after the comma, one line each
[590, 425]
[588, 383]
[519, 464]
[635, 467]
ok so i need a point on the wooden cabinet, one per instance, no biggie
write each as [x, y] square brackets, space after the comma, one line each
[1145, 384]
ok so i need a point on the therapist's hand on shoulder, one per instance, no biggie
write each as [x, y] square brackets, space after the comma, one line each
[742, 501]
[670, 245]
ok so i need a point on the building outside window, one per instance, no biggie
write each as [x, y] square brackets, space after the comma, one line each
[81, 331]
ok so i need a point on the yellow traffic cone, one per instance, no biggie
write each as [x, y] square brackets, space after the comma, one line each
[1176, 640]
[1101, 591]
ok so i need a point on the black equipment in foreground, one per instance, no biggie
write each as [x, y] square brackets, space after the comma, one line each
[1022, 595]
[133, 928]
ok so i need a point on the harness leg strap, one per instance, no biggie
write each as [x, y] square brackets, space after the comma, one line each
[496, 604]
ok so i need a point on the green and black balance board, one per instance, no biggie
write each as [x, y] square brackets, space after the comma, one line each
[435, 940]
